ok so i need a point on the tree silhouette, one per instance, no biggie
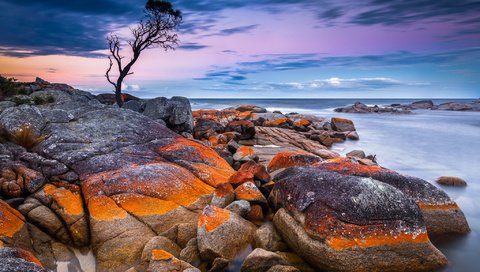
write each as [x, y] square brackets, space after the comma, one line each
[155, 30]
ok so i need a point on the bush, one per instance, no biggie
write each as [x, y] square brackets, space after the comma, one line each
[39, 100]
[8, 87]
[26, 137]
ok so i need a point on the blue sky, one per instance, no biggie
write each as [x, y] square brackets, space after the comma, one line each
[262, 48]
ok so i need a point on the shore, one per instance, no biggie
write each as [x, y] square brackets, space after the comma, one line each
[156, 186]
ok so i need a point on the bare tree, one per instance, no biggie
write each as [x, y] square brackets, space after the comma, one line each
[156, 29]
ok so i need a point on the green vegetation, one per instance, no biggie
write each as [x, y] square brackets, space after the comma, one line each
[9, 87]
[38, 100]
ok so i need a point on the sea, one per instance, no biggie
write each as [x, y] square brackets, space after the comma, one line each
[427, 144]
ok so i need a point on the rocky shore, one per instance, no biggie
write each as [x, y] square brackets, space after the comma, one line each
[359, 107]
[154, 186]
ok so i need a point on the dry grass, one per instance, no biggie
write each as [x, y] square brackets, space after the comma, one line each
[26, 137]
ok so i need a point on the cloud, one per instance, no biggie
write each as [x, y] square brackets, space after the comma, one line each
[192, 46]
[345, 83]
[391, 12]
[31, 28]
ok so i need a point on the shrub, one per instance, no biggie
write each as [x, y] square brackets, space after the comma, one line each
[39, 100]
[8, 87]
[26, 137]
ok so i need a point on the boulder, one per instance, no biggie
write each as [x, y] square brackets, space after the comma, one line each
[336, 222]
[240, 207]
[342, 124]
[13, 119]
[451, 181]
[241, 177]
[245, 129]
[289, 159]
[223, 195]
[250, 108]
[190, 253]
[267, 237]
[442, 215]
[259, 171]
[222, 233]
[261, 260]
[249, 192]
[164, 261]
[175, 112]
[421, 105]
[244, 154]
[283, 268]
[160, 243]
[204, 128]
[359, 154]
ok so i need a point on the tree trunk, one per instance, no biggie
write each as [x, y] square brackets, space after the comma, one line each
[118, 95]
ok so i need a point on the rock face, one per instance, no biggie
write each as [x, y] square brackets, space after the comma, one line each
[222, 234]
[18, 260]
[442, 215]
[336, 222]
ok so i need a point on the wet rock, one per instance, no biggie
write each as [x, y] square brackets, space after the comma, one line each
[289, 159]
[353, 135]
[451, 181]
[442, 215]
[364, 219]
[359, 154]
[222, 233]
[245, 129]
[267, 237]
[164, 261]
[422, 104]
[261, 260]
[342, 124]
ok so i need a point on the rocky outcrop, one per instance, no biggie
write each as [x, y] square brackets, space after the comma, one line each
[336, 222]
[18, 260]
[442, 215]
[288, 159]
[359, 107]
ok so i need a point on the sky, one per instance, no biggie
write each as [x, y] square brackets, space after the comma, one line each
[256, 48]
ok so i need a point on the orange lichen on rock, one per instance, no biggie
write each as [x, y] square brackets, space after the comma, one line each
[28, 256]
[340, 243]
[241, 177]
[161, 255]
[213, 217]
[248, 191]
[289, 159]
[347, 167]
[255, 214]
[70, 201]
[276, 122]
[213, 169]
[217, 139]
[11, 221]
[143, 205]
[104, 208]
[245, 151]
[160, 180]
[302, 122]
[223, 190]
[432, 206]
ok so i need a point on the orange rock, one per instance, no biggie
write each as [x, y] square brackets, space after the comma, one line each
[223, 190]
[256, 214]
[202, 161]
[244, 115]
[104, 208]
[141, 205]
[11, 221]
[302, 122]
[241, 177]
[212, 217]
[217, 139]
[245, 151]
[248, 191]
[277, 123]
[70, 201]
[259, 171]
[161, 255]
[289, 159]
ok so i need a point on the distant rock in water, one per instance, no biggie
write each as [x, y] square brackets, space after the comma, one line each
[451, 181]
[359, 107]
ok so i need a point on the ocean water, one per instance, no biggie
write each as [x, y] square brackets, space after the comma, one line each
[427, 144]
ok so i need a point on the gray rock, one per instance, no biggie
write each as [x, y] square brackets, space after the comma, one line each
[261, 260]
[14, 118]
[6, 104]
[175, 112]
[240, 207]
[267, 237]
